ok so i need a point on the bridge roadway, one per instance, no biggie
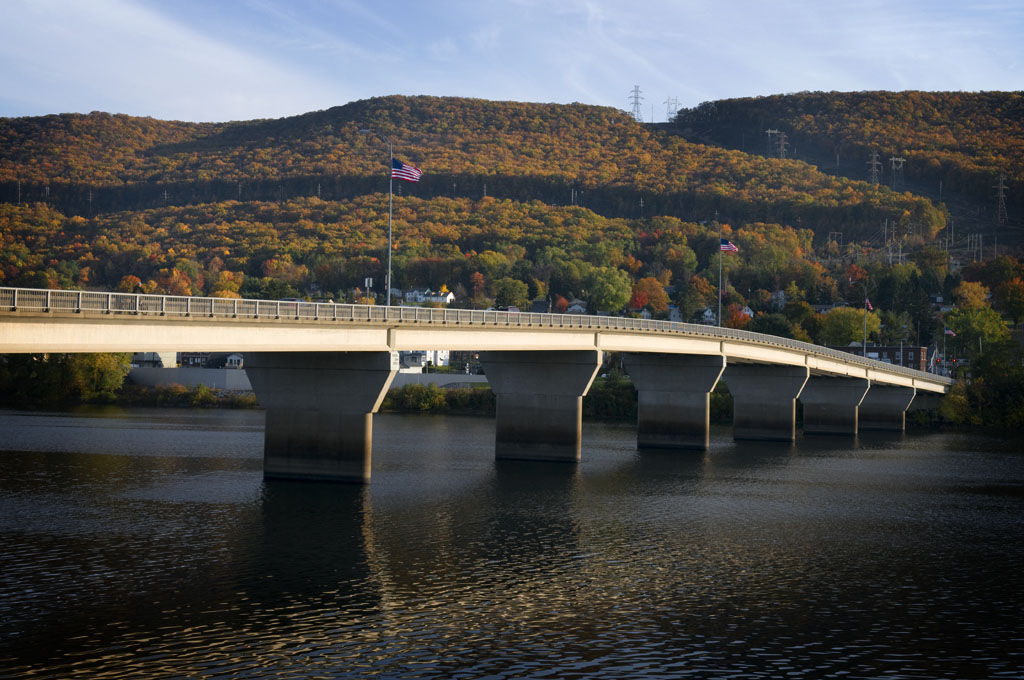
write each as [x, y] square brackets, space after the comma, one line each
[321, 370]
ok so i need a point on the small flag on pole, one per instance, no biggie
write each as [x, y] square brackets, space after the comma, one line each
[400, 170]
[867, 303]
[950, 332]
[728, 246]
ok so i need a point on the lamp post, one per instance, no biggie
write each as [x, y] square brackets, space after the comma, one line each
[864, 345]
[391, 180]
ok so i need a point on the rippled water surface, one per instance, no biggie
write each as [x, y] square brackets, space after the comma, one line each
[146, 544]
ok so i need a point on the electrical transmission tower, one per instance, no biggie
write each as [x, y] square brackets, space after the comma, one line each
[782, 144]
[771, 142]
[1001, 216]
[874, 165]
[671, 108]
[636, 99]
[896, 176]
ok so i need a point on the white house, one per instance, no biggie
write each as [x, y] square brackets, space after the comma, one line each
[576, 306]
[416, 361]
[705, 316]
[421, 295]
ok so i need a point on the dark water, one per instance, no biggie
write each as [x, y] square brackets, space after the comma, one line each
[146, 544]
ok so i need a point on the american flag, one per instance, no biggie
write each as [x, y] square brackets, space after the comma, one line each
[400, 170]
[867, 303]
[728, 246]
[950, 332]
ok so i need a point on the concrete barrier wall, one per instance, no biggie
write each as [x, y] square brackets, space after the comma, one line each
[217, 378]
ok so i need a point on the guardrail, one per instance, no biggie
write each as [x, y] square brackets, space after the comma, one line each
[133, 304]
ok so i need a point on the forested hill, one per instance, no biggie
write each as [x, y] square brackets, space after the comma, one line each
[964, 140]
[560, 154]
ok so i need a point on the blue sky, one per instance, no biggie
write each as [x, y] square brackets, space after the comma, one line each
[209, 60]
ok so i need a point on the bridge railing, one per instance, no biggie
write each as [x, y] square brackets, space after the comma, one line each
[76, 301]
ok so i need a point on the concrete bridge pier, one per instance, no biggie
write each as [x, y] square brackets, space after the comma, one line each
[831, 404]
[540, 401]
[764, 400]
[673, 398]
[320, 406]
[885, 408]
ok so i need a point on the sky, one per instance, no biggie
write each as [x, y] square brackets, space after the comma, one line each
[221, 60]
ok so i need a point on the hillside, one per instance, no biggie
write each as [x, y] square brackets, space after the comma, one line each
[964, 140]
[595, 156]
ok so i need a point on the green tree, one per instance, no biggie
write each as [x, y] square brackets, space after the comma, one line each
[771, 324]
[976, 329]
[1010, 298]
[843, 325]
[510, 292]
[607, 288]
[38, 379]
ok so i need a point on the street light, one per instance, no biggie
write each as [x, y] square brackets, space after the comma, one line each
[391, 179]
[864, 286]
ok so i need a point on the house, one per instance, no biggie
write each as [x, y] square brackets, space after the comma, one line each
[779, 299]
[154, 360]
[576, 306]
[416, 361]
[747, 312]
[422, 295]
[705, 316]
[674, 313]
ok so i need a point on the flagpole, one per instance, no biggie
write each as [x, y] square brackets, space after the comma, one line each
[391, 181]
[866, 323]
[719, 274]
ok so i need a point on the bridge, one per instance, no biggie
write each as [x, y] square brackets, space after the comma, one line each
[321, 370]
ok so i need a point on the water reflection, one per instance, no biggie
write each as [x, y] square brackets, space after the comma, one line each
[168, 556]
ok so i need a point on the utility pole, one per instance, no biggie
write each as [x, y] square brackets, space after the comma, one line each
[636, 99]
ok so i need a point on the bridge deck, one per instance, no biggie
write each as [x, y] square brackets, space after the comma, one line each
[83, 321]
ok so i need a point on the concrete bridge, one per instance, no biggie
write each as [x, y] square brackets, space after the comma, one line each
[321, 370]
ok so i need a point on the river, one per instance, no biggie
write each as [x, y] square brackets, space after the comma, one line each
[145, 543]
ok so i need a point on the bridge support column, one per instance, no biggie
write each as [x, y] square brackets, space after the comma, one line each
[831, 404]
[673, 398]
[764, 400]
[925, 401]
[885, 408]
[540, 402]
[320, 407]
